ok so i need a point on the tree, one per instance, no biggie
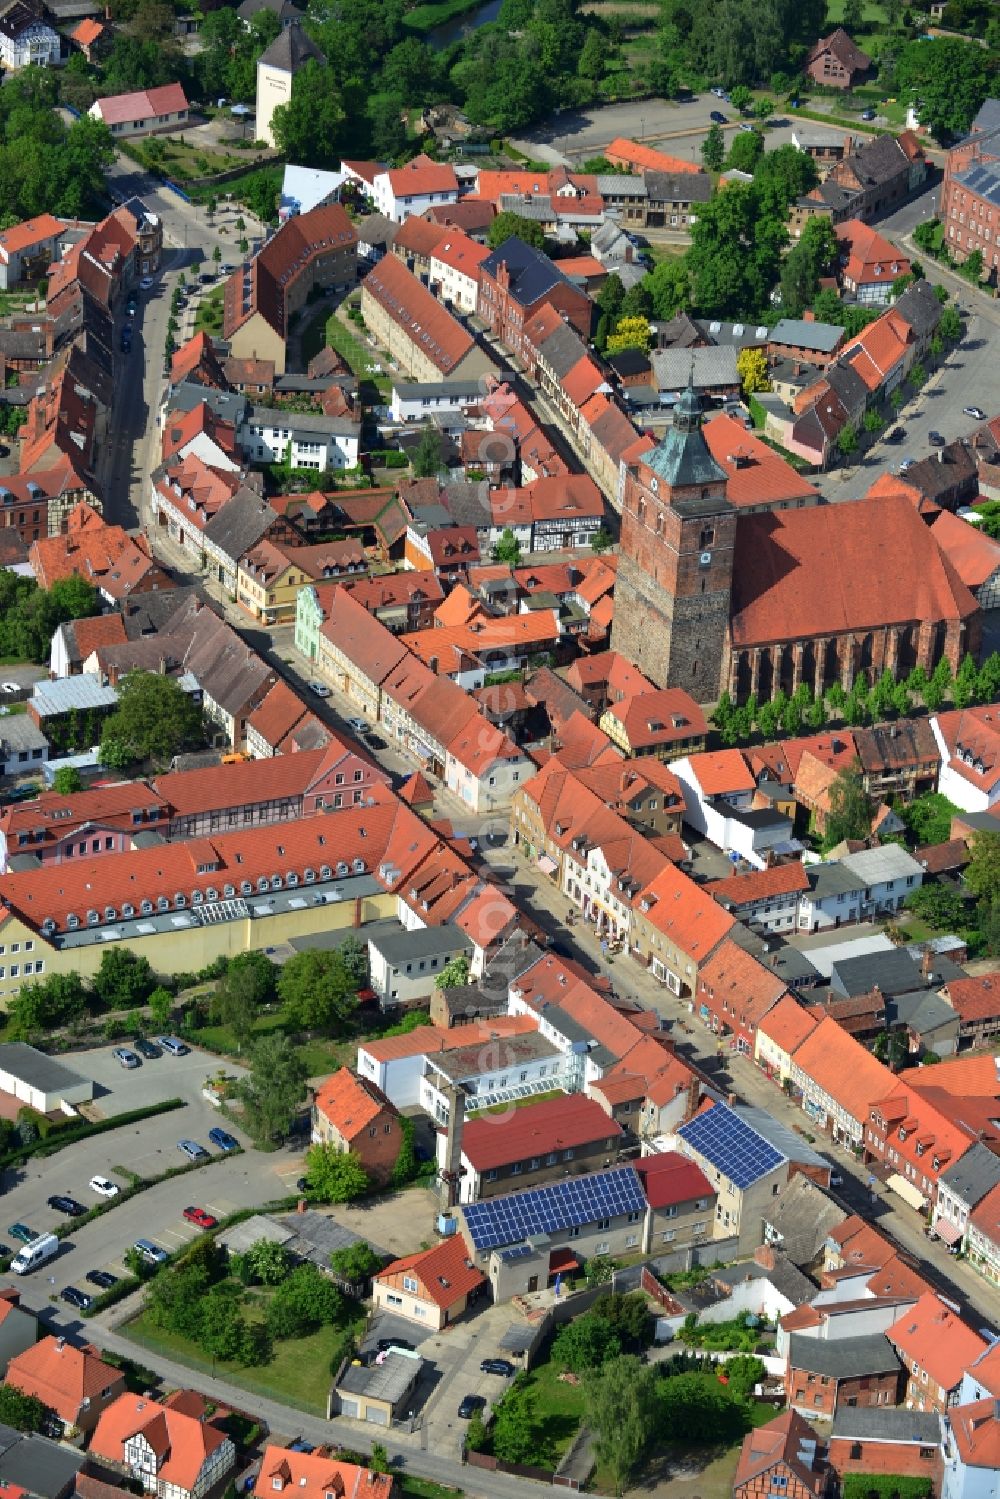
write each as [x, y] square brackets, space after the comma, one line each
[67, 781]
[805, 263]
[966, 682]
[248, 984]
[713, 149]
[221, 1327]
[124, 979]
[874, 421]
[697, 1402]
[23, 1412]
[601, 540]
[939, 686]
[950, 81]
[854, 15]
[334, 1175]
[917, 376]
[950, 325]
[764, 109]
[357, 1261]
[304, 1301]
[454, 974]
[621, 1403]
[506, 224]
[585, 1343]
[745, 151]
[628, 1315]
[268, 1262]
[610, 297]
[637, 302]
[310, 128]
[939, 907]
[517, 1432]
[428, 460]
[743, 1372]
[982, 874]
[741, 97]
[631, 333]
[851, 807]
[274, 1089]
[378, 1461]
[155, 719]
[847, 440]
[508, 549]
[317, 991]
[161, 1006]
[47, 1005]
[593, 57]
[751, 366]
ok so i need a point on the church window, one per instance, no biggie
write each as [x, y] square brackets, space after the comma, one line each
[707, 536]
[703, 585]
[641, 512]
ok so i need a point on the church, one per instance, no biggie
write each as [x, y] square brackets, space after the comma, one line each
[712, 598]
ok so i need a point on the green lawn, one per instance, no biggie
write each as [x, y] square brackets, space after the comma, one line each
[299, 1373]
[874, 15]
[359, 355]
[411, 1487]
[424, 18]
[209, 314]
[315, 337]
[559, 1408]
[516, 1103]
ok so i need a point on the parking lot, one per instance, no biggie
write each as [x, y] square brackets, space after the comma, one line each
[118, 1089]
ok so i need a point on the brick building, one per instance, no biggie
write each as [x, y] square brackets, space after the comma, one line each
[837, 62]
[353, 1114]
[936, 1347]
[886, 1440]
[970, 192]
[822, 1376]
[514, 283]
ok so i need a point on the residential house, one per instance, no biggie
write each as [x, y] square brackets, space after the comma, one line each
[869, 264]
[302, 439]
[885, 1440]
[962, 1187]
[839, 1080]
[764, 898]
[822, 1376]
[783, 1456]
[837, 62]
[144, 112]
[314, 1475]
[352, 1114]
[405, 964]
[977, 1004]
[269, 577]
[434, 1287]
[973, 555]
[515, 281]
[681, 1201]
[71, 1381]
[270, 724]
[26, 36]
[936, 1347]
[744, 1168]
[968, 740]
[543, 1141]
[29, 248]
[409, 191]
[779, 1034]
[170, 1453]
[722, 804]
[898, 760]
[665, 723]
[454, 270]
[970, 1449]
[675, 927]
[116, 564]
[919, 1137]
[983, 1237]
[735, 992]
[418, 331]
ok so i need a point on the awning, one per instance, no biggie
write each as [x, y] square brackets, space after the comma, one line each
[547, 864]
[907, 1191]
[561, 1260]
[949, 1232]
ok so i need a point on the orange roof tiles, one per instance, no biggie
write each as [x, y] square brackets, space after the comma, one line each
[932, 1336]
[29, 233]
[431, 327]
[62, 1376]
[445, 1272]
[974, 555]
[420, 237]
[721, 771]
[963, 1077]
[976, 1430]
[788, 1024]
[427, 1040]
[828, 569]
[682, 911]
[421, 177]
[561, 1123]
[757, 474]
[105, 556]
[759, 884]
[867, 257]
[461, 253]
[843, 1068]
[279, 263]
[738, 988]
[307, 1475]
[660, 717]
[974, 998]
[182, 1442]
[350, 1103]
[625, 152]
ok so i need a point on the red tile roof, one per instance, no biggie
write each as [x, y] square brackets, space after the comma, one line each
[144, 104]
[461, 253]
[278, 714]
[974, 555]
[309, 1476]
[427, 1040]
[445, 1272]
[660, 717]
[31, 232]
[936, 1339]
[564, 1123]
[757, 474]
[682, 911]
[625, 152]
[831, 569]
[182, 1442]
[788, 1024]
[782, 1442]
[974, 998]
[976, 1430]
[668, 1179]
[719, 772]
[425, 321]
[759, 884]
[842, 1068]
[63, 1377]
[420, 237]
[284, 258]
[422, 176]
[350, 1103]
[737, 988]
[867, 257]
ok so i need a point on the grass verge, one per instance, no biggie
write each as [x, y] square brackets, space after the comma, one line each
[425, 18]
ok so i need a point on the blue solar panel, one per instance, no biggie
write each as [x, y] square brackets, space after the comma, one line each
[730, 1144]
[548, 1210]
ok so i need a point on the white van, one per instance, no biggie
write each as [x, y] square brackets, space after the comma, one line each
[38, 1252]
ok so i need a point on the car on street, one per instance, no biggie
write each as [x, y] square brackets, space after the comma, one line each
[718, 118]
[200, 1218]
[222, 1139]
[67, 1205]
[470, 1404]
[22, 1233]
[976, 412]
[127, 339]
[150, 1252]
[103, 1279]
[906, 465]
[836, 1180]
[146, 283]
[497, 1366]
[132, 305]
[9, 687]
[173, 1046]
[5, 1251]
[148, 1049]
[898, 434]
[126, 1056]
[76, 1298]
[935, 439]
[319, 688]
[358, 725]
[193, 1150]
[103, 1187]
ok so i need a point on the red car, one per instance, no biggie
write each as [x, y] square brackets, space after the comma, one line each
[199, 1217]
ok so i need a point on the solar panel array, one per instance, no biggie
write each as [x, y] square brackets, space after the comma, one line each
[729, 1143]
[548, 1210]
[984, 180]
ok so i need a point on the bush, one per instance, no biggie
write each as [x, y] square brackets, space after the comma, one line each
[885, 1486]
[389, 458]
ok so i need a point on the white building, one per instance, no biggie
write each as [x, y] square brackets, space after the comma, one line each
[969, 744]
[39, 1080]
[144, 112]
[291, 49]
[454, 270]
[720, 791]
[27, 39]
[414, 402]
[412, 189]
[23, 746]
[887, 874]
[317, 441]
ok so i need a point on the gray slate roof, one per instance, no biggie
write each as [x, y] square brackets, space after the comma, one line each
[46, 1469]
[240, 523]
[291, 50]
[842, 1358]
[977, 1173]
[681, 187]
[396, 945]
[37, 1069]
[894, 972]
[803, 1215]
[925, 1013]
[562, 350]
[532, 274]
[786, 1279]
[712, 367]
[887, 1423]
[822, 337]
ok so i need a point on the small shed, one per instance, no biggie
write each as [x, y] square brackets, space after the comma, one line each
[377, 1393]
[40, 1081]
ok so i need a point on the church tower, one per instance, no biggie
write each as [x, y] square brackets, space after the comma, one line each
[676, 561]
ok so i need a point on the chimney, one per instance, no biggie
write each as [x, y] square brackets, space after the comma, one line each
[927, 962]
[453, 1146]
[60, 1344]
[808, 316]
[764, 1256]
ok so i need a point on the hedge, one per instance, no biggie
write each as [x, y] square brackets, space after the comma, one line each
[75, 1132]
[388, 458]
[885, 1486]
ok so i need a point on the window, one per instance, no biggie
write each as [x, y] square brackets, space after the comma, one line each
[603, 1225]
[603, 1247]
[393, 1300]
[409, 1284]
[491, 1176]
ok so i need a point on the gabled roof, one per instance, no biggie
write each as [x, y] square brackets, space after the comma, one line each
[933, 1337]
[182, 1442]
[308, 1475]
[757, 474]
[646, 158]
[427, 323]
[669, 1178]
[842, 1358]
[976, 1430]
[682, 911]
[843, 1068]
[788, 1024]
[847, 53]
[291, 49]
[788, 1441]
[759, 884]
[145, 104]
[532, 274]
[565, 1123]
[422, 176]
[351, 1103]
[445, 1271]
[62, 1376]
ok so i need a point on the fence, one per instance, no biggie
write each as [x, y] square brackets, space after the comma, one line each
[518, 1470]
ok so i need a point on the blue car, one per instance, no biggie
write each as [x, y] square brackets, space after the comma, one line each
[223, 1140]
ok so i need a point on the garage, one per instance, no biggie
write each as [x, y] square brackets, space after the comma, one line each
[40, 1081]
[379, 1393]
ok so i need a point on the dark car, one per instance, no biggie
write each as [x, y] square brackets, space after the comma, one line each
[126, 338]
[935, 439]
[718, 118]
[470, 1404]
[384, 1344]
[868, 114]
[22, 1233]
[497, 1366]
[76, 1298]
[67, 1205]
[148, 1049]
[898, 434]
[222, 1139]
[302, 1185]
[102, 1278]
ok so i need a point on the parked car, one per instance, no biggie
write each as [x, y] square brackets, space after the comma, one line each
[223, 1139]
[9, 687]
[103, 1187]
[935, 439]
[745, 125]
[103, 1279]
[76, 1298]
[976, 412]
[319, 688]
[193, 1150]
[200, 1218]
[67, 1205]
[22, 1233]
[906, 465]
[719, 93]
[358, 725]
[718, 118]
[126, 1056]
[384, 1344]
[148, 1049]
[132, 305]
[470, 1404]
[150, 1252]
[497, 1366]
[898, 434]
[127, 339]
[868, 114]
[146, 283]
[173, 1046]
